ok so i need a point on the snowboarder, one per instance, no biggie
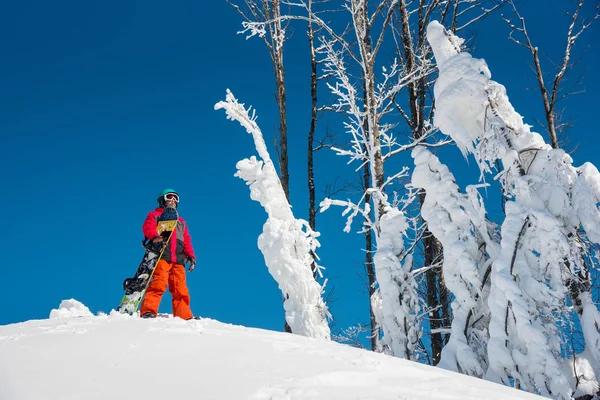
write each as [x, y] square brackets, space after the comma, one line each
[170, 269]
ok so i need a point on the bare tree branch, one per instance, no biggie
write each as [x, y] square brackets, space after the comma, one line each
[552, 96]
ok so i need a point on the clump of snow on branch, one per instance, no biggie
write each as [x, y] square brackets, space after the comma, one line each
[539, 258]
[458, 221]
[287, 243]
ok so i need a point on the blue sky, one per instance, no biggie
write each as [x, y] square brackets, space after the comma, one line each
[103, 104]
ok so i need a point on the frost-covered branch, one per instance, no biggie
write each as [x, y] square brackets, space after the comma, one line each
[484, 12]
[350, 206]
[352, 335]
[550, 96]
[258, 28]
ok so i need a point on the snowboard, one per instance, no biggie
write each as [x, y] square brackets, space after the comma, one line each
[135, 287]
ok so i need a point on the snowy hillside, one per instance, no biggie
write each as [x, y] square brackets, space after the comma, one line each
[75, 355]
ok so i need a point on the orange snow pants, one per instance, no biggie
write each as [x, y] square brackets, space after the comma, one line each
[174, 275]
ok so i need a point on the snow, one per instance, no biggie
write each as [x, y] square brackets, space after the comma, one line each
[581, 374]
[586, 195]
[70, 308]
[119, 356]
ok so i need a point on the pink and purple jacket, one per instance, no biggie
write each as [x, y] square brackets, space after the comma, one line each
[180, 245]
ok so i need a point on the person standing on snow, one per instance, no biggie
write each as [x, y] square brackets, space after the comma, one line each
[170, 269]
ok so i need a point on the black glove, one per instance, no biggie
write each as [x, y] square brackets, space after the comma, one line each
[158, 243]
[192, 261]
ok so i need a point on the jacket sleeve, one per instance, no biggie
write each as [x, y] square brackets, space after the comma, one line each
[149, 227]
[188, 250]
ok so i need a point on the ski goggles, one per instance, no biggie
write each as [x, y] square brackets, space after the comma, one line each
[171, 197]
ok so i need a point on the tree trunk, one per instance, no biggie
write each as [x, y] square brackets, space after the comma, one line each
[277, 55]
[444, 299]
[431, 248]
[281, 96]
[362, 30]
[370, 267]
[373, 170]
[436, 289]
[311, 132]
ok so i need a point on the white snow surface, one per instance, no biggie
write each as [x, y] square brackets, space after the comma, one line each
[119, 356]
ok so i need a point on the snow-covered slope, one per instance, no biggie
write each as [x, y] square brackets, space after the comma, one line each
[75, 355]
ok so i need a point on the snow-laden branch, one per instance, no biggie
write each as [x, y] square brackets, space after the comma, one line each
[258, 28]
[458, 221]
[397, 287]
[287, 243]
[352, 209]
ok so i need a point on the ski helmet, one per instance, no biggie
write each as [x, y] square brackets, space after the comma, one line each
[161, 196]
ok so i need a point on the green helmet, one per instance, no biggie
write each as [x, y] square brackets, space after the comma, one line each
[161, 196]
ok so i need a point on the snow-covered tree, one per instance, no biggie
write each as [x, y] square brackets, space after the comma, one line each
[274, 37]
[415, 105]
[538, 254]
[368, 133]
[459, 222]
[287, 243]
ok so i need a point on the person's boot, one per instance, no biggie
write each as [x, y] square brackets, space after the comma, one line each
[148, 315]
